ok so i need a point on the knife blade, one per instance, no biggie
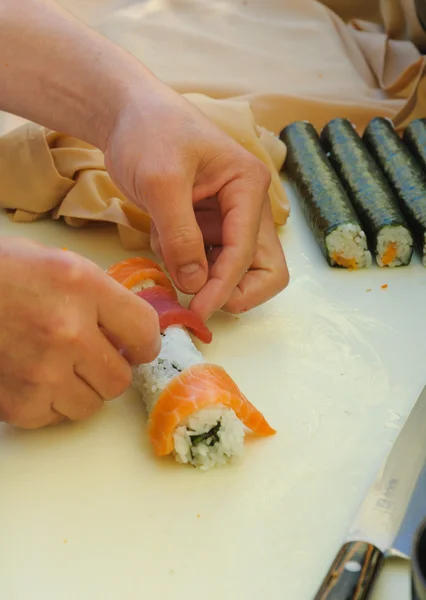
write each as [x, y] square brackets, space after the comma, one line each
[381, 514]
[414, 516]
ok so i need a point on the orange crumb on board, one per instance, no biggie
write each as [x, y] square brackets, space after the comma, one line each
[65, 541]
[390, 254]
[64, 248]
[384, 286]
[342, 261]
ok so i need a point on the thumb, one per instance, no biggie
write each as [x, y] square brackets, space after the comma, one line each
[177, 235]
[155, 243]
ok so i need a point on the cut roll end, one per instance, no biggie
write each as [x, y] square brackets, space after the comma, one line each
[347, 247]
[394, 246]
[210, 438]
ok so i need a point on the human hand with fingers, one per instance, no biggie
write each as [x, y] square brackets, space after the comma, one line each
[204, 192]
[69, 334]
[201, 187]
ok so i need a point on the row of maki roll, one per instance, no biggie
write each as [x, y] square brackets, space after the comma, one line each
[324, 200]
[403, 170]
[387, 231]
[361, 193]
[414, 138]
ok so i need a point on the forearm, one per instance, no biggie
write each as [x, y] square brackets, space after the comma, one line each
[56, 71]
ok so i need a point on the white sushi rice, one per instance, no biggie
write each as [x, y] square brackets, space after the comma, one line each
[227, 443]
[146, 283]
[403, 239]
[349, 242]
[227, 432]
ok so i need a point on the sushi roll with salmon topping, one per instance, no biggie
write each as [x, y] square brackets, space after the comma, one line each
[196, 412]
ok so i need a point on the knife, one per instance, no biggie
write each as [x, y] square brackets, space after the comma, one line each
[382, 522]
[415, 514]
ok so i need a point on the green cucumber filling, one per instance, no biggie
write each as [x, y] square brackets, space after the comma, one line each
[210, 438]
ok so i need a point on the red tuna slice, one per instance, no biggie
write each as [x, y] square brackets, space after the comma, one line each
[170, 312]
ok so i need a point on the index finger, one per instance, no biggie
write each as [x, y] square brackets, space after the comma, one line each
[129, 322]
[241, 203]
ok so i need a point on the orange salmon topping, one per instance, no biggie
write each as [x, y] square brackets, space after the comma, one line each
[195, 388]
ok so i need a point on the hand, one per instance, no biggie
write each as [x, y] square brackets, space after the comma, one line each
[201, 189]
[267, 274]
[63, 321]
[161, 151]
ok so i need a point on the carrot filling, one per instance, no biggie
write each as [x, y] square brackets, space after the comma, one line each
[342, 261]
[390, 254]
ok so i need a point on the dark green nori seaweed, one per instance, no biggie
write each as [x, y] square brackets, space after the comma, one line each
[405, 176]
[414, 138]
[365, 183]
[323, 198]
[210, 437]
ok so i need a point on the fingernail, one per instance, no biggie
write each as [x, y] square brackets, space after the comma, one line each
[191, 277]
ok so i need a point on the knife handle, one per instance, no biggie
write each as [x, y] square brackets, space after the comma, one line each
[352, 573]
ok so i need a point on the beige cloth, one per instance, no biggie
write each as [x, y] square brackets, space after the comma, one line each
[291, 59]
[44, 173]
[251, 66]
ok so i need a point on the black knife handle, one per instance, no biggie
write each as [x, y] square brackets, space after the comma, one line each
[352, 574]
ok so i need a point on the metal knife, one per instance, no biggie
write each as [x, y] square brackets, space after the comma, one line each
[415, 514]
[382, 525]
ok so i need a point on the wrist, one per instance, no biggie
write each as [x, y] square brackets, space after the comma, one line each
[117, 89]
[131, 85]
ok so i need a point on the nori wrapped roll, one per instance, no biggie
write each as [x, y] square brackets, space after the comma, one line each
[325, 202]
[368, 189]
[415, 139]
[406, 177]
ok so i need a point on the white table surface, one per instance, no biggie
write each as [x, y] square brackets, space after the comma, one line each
[87, 512]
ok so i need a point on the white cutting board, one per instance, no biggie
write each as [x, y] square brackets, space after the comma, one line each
[87, 512]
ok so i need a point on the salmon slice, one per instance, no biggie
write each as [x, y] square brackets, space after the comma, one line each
[126, 268]
[170, 312]
[162, 295]
[155, 275]
[200, 386]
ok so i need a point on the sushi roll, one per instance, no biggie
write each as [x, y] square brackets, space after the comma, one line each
[369, 191]
[405, 176]
[196, 412]
[414, 138]
[326, 205]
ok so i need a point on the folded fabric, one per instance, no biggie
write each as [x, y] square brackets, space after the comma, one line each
[47, 174]
[291, 59]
